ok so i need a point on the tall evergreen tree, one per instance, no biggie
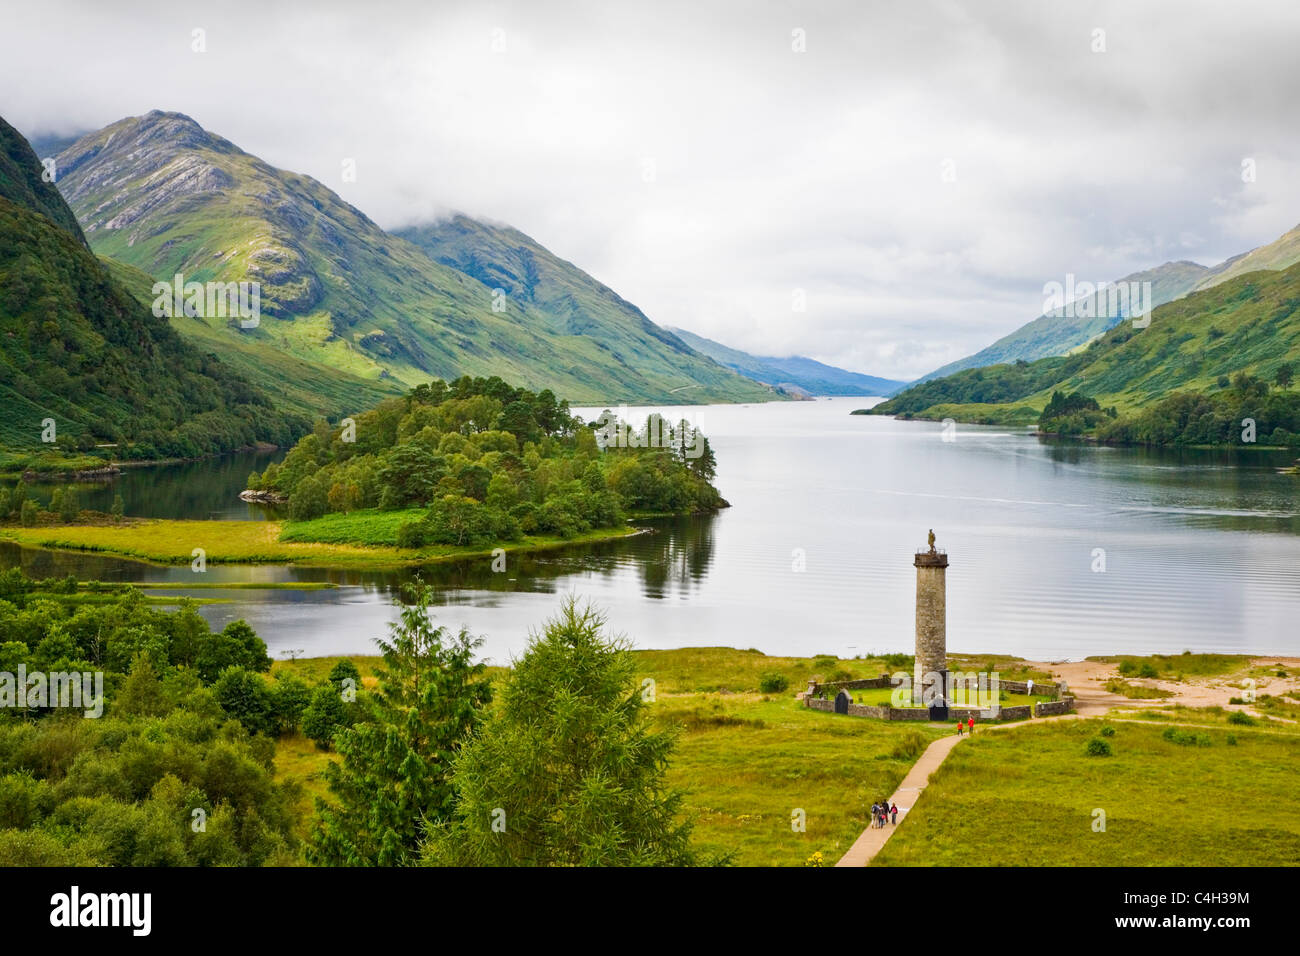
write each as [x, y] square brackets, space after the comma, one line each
[393, 778]
[569, 771]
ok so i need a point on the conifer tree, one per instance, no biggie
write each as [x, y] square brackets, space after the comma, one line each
[393, 778]
[569, 771]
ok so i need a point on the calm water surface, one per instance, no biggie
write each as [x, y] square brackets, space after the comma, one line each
[1201, 549]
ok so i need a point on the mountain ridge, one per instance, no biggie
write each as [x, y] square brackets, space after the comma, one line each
[808, 375]
[163, 195]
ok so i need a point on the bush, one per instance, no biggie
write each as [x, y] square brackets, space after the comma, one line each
[1108, 731]
[246, 697]
[910, 746]
[772, 683]
[1147, 670]
[343, 670]
[325, 716]
[824, 663]
[1240, 718]
[1099, 748]
[1186, 738]
[1232, 740]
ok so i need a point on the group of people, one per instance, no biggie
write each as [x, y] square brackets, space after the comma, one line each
[969, 725]
[883, 812]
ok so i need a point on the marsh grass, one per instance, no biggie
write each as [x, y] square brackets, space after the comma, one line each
[1179, 666]
[262, 542]
[1026, 796]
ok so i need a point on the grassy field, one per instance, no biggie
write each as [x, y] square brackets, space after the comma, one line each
[1027, 796]
[1180, 666]
[261, 542]
[1220, 716]
[749, 760]
[746, 760]
[961, 698]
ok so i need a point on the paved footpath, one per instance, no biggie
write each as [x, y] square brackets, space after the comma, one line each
[868, 844]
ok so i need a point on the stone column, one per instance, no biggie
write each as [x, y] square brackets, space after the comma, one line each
[931, 621]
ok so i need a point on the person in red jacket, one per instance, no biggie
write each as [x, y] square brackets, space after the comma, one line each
[970, 725]
[893, 812]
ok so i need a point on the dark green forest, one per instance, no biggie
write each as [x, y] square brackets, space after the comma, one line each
[486, 461]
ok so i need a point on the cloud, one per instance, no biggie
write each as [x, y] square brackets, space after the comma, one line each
[687, 156]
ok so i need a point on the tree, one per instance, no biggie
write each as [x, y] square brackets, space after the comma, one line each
[29, 513]
[246, 697]
[569, 771]
[119, 509]
[1283, 375]
[310, 499]
[394, 773]
[69, 507]
[142, 693]
[325, 716]
[236, 646]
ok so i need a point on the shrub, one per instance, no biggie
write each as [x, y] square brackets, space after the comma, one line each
[824, 663]
[1108, 731]
[246, 697]
[1186, 738]
[341, 671]
[772, 683]
[1147, 670]
[1232, 740]
[1241, 718]
[1099, 748]
[910, 746]
[325, 716]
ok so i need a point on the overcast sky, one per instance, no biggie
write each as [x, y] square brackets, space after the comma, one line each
[691, 157]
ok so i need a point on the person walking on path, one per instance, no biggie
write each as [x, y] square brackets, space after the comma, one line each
[894, 813]
[875, 815]
[970, 726]
[959, 728]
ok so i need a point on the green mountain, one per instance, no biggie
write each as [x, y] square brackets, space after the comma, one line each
[161, 194]
[573, 304]
[1278, 254]
[1059, 334]
[75, 347]
[1248, 324]
[798, 374]
[22, 182]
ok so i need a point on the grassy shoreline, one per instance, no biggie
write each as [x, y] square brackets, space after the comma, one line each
[172, 542]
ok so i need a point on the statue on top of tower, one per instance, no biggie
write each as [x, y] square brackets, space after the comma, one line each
[931, 539]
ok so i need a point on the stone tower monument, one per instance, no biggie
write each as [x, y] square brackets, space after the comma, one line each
[931, 626]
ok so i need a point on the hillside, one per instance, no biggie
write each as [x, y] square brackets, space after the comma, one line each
[1058, 334]
[1248, 324]
[163, 195]
[77, 348]
[804, 374]
[1278, 254]
[21, 182]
